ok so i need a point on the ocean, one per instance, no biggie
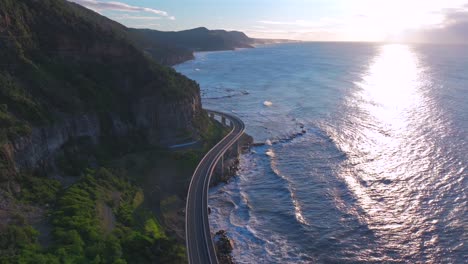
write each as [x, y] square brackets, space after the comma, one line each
[365, 156]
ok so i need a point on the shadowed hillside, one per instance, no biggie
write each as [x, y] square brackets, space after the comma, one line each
[162, 46]
[76, 95]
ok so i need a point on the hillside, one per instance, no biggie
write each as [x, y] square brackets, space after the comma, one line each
[57, 60]
[197, 39]
[85, 117]
[173, 47]
[177, 46]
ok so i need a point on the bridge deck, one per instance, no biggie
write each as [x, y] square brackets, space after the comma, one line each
[200, 247]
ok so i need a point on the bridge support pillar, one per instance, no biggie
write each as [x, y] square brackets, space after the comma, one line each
[222, 166]
[223, 120]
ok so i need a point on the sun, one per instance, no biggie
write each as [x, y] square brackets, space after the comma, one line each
[385, 19]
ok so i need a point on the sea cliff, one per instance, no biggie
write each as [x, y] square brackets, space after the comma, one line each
[77, 97]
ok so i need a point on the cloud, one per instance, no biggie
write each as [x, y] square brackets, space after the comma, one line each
[269, 22]
[151, 25]
[126, 16]
[296, 34]
[453, 29]
[300, 23]
[119, 6]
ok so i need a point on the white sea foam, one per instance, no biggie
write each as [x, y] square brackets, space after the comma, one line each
[270, 153]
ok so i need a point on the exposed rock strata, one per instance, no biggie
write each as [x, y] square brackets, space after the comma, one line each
[160, 122]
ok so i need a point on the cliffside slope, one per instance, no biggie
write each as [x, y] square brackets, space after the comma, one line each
[64, 73]
[162, 45]
[76, 94]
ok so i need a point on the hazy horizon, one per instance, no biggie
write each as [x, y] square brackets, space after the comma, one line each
[196, 144]
[417, 21]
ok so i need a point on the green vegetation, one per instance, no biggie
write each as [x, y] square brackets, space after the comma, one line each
[76, 217]
[211, 132]
[18, 244]
[59, 61]
[16, 100]
[38, 190]
[104, 217]
[175, 47]
[10, 126]
[60, 57]
[79, 235]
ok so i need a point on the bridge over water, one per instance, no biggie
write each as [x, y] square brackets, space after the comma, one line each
[200, 246]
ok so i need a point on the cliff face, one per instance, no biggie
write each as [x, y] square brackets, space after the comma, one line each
[164, 122]
[175, 59]
[68, 73]
[44, 141]
[159, 121]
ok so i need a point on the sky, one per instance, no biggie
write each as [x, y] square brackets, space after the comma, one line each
[312, 20]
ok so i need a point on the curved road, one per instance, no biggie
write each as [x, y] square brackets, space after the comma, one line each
[200, 247]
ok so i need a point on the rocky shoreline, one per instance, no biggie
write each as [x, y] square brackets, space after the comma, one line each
[223, 244]
[224, 247]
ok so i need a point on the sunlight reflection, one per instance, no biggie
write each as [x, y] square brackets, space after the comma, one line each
[389, 97]
[383, 145]
[390, 85]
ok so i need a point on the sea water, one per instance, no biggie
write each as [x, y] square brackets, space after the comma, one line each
[366, 151]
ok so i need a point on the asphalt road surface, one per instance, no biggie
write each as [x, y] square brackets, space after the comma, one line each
[200, 247]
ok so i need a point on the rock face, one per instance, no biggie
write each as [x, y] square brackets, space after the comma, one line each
[176, 59]
[68, 73]
[30, 151]
[224, 247]
[164, 121]
[160, 122]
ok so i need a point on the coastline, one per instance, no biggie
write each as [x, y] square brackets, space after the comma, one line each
[224, 242]
[222, 175]
[291, 192]
[255, 44]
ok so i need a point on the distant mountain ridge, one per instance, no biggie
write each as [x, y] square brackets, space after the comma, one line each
[172, 47]
[199, 39]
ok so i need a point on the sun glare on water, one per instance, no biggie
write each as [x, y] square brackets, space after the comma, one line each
[385, 96]
[388, 152]
[391, 85]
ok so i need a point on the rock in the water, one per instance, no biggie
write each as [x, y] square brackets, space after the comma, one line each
[224, 247]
